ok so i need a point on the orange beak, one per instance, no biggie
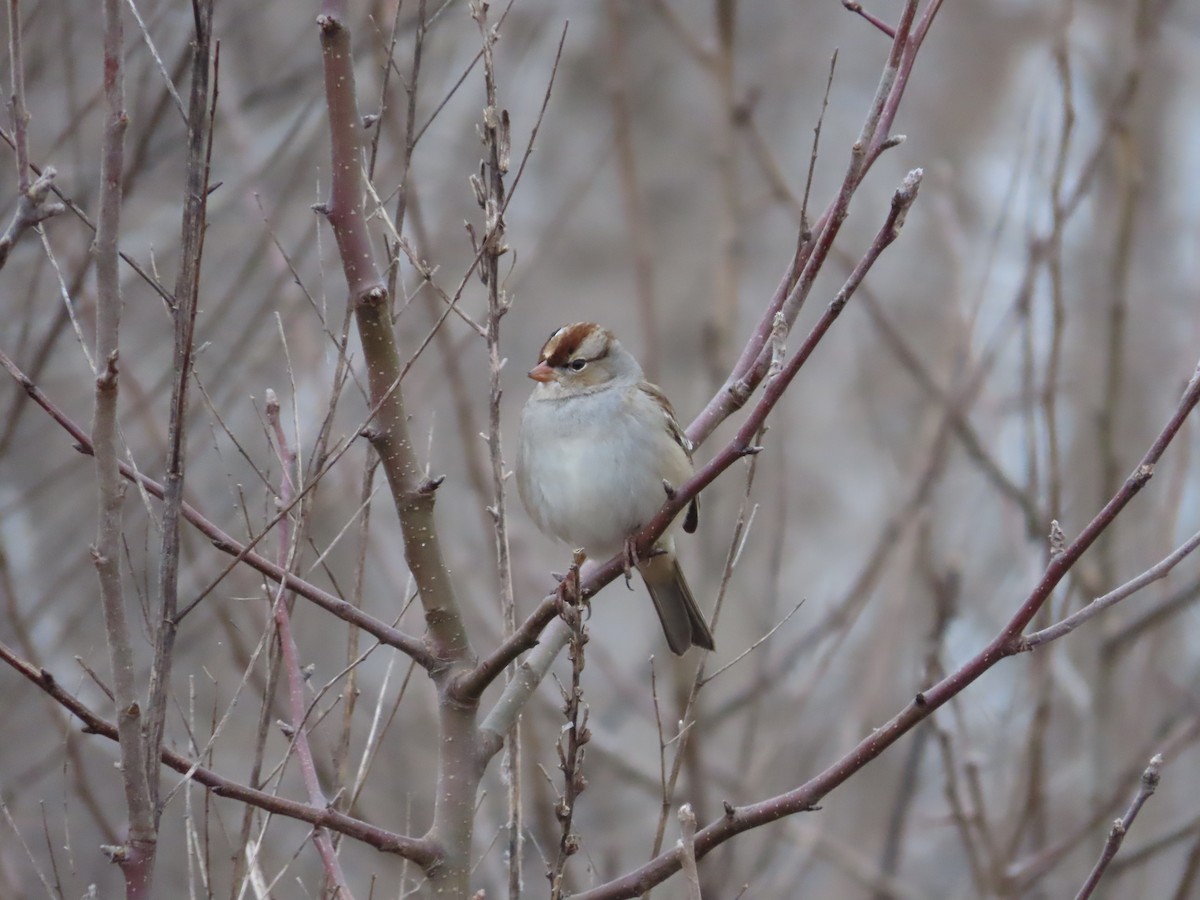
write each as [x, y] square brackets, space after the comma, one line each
[542, 372]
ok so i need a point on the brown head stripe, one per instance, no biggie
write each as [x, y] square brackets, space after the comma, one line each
[564, 343]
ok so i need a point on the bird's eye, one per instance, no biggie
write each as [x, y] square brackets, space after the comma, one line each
[576, 365]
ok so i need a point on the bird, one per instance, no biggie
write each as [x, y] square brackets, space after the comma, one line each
[599, 451]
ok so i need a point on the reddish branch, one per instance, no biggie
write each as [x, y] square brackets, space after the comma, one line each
[1007, 642]
[291, 655]
[874, 138]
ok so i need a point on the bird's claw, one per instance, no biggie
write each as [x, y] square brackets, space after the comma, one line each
[629, 559]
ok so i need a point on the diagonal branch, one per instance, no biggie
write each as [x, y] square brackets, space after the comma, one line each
[474, 682]
[1007, 642]
[874, 138]
[421, 851]
[1116, 835]
[224, 542]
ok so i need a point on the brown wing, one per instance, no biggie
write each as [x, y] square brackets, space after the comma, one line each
[692, 519]
[673, 427]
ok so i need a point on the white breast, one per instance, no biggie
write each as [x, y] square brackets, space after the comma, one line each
[590, 468]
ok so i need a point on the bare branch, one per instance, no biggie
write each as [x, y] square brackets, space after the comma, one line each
[32, 207]
[291, 655]
[136, 856]
[412, 493]
[227, 544]
[1120, 827]
[187, 288]
[1006, 643]
[1156, 572]
[419, 850]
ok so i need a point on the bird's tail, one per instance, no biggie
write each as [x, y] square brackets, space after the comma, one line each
[682, 621]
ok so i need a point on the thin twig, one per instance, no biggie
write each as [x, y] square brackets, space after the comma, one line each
[491, 195]
[290, 654]
[574, 736]
[1154, 573]
[187, 288]
[32, 207]
[1147, 786]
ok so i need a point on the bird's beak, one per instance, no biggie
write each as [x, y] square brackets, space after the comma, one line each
[541, 372]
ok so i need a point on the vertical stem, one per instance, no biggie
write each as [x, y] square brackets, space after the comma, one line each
[187, 287]
[574, 735]
[20, 115]
[492, 197]
[136, 856]
[460, 762]
[291, 655]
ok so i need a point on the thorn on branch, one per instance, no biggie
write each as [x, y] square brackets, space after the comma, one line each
[430, 485]
[730, 812]
[751, 450]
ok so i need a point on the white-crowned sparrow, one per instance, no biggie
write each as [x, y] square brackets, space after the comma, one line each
[599, 449]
